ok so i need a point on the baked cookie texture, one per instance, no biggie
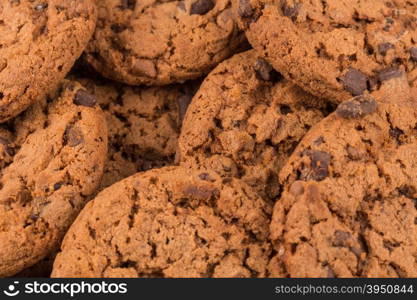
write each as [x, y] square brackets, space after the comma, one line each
[245, 121]
[144, 125]
[40, 41]
[348, 205]
[160, 42]
[54, 159]
[334, 49]
[169, 222]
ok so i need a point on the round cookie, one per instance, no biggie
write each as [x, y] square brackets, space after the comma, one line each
[40, 41]
[144, 125]
[334, 49]
[169, 222]
[55, 154]
[245, 121]
[348, 206]
[157, 43]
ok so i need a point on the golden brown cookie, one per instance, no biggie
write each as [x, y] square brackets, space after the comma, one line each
[169, 222]
[54, 159]
[333, 48]
[156, 43]
[245, 121]
[348, 206]
[39, 42]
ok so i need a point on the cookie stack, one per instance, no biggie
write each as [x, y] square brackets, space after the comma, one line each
[208, 138]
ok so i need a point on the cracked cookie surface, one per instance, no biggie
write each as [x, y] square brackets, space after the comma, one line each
[348, 208]
[169, 222]
[245, 121]
[333, 48]
[144, 125]
[39, 42]
[156, 42]
[55, 154]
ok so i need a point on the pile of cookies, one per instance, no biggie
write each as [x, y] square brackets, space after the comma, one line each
[208, 138]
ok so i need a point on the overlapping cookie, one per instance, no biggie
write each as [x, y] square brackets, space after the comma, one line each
[348, 208]
[245, 121]
[39, 42]
[334, 49]
[144, 125]
[169, 222]
[52, 159]
[155, 43]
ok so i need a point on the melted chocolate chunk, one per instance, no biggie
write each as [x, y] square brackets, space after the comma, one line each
[355, 82]
[73, 136]
[384, 47]
[290, 11]
[389, 73]
[84, 98]
[357, 107]
[201, 7]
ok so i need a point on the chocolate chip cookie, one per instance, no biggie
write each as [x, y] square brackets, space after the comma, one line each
[54, 156]
[348, 206]
[169, 222]
[245, 121]
[333, 48]
[40, 41]
[144, 125]
[160, 42]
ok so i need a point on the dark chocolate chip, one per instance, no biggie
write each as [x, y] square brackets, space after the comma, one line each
[396, 133]
[264, 71]
[290, 11]
[245, 9]
[408, 191]
[384, 47]
[201, 7]
[285, 109]
[73, 136]
[413, 53]
[340, 238]
[41, 6]
[127, 4]
[389, 73]
[118, 28]
[84, 98]
[206, 177]
[357, 107]
[57, 186]
[355, 82]
[318, 169]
